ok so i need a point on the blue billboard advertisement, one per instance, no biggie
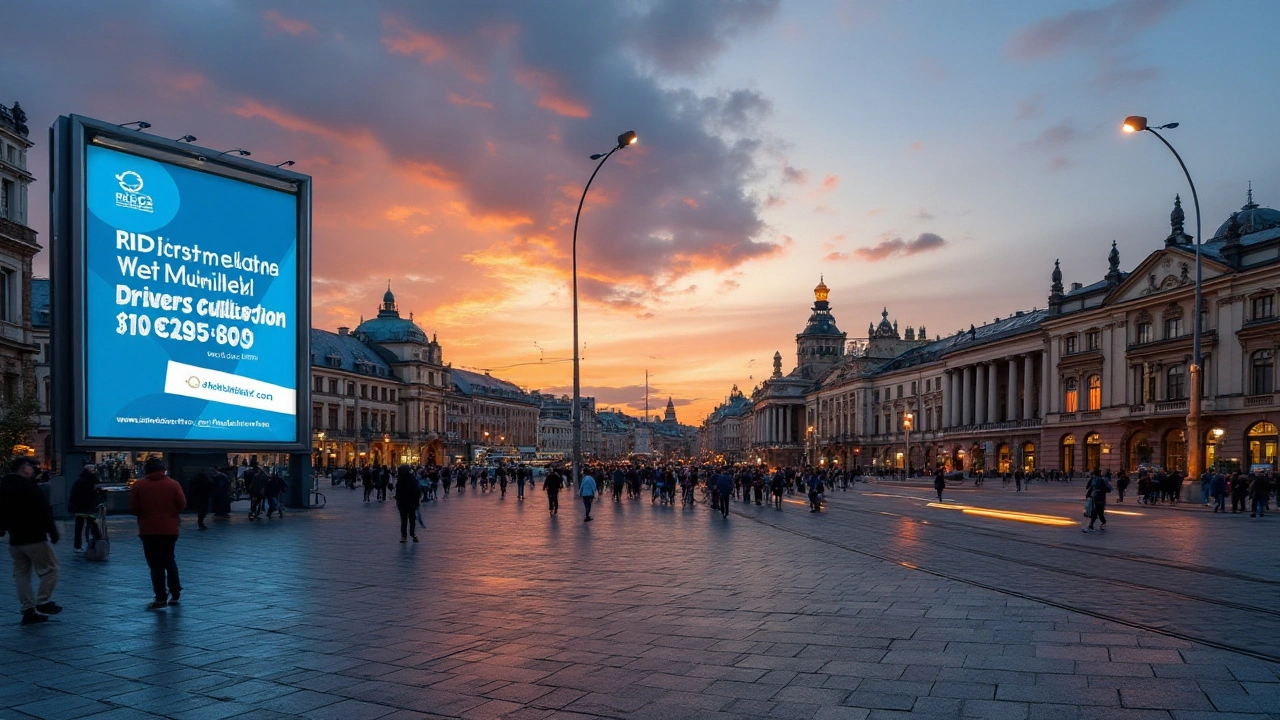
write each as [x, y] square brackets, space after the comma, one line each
[191, 304]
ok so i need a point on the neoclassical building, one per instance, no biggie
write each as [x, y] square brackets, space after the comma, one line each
[1097, 379]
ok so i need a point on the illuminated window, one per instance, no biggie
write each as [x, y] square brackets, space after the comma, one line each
[1072, 396]
[1095, 392]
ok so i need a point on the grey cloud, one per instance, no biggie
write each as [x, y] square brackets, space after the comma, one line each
[896, 247]
[387, 70]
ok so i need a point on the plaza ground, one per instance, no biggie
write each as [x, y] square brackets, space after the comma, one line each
[883, 606]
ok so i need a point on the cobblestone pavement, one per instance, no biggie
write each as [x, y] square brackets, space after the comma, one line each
[881, 607]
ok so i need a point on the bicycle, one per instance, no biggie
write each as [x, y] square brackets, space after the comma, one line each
[317, 498]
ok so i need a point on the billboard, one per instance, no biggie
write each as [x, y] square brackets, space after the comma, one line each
[181, 295]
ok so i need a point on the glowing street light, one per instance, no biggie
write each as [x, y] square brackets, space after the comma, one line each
[624, 140]
[1138, 123]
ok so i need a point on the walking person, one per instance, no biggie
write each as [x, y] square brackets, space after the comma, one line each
[724, 490]
[1218, 489]
[552, 485]
[816, 488]
[221, 494]
[366, 482]
[83, 502]
[272, 489]
[408, 495]
[522, 476]
[939, 483]
[255, 482]
[156, 500]
[198, 497]
[1097, 490]
[587, 489]
[1122, 484]
[1259, 493]
[25, 516]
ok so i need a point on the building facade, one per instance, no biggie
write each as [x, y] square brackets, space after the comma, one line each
[18, 349]
[1098, 379]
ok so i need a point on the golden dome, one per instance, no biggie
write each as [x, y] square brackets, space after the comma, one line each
[820, 293]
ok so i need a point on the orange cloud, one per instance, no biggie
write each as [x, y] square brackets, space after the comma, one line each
[457, 99]
[429, 174]
[250, 108]
[288, 25]
[550, 96]
[830, 182]
[400, 213]
[415, 43]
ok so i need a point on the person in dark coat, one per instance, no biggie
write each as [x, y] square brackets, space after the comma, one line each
[221, 493]
[198, 497]
[83, 501]
[724, 484]
[408, 495]
[25, 516]
[939, 483]
[552, 486]
[272, 489]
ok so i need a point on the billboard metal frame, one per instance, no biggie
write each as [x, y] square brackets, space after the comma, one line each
[69, 137]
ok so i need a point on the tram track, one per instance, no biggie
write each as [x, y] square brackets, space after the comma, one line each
[1164, 630]
[1090, 551]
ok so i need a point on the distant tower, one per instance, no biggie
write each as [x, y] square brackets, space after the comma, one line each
[670, 416]
[821, 343]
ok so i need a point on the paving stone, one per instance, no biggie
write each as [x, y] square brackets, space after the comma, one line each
[568, 624]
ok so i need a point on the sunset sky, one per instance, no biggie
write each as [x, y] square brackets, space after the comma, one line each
[931, 157]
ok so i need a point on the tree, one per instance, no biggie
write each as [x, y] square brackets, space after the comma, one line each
[17, 422]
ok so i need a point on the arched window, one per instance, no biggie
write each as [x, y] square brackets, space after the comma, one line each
[1095, 392]
[1139, 451]
[1262, 373]
[1092, 452]
[1071, 401]
[1176, 383]
[1003, 462]
[1067, 454]
[1262, 444]
[1028, 457]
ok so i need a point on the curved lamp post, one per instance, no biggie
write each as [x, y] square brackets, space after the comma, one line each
[1137, 123]
[625, 139]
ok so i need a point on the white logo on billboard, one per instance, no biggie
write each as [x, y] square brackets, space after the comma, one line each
[130, 181]
[130, 195]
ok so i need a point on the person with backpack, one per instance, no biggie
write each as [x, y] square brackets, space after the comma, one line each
[816, 488]
[156, 500]
[1096, 493]
[27, 518]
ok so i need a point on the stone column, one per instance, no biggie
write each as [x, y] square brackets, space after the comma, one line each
[957, 398]
[966, 396]
[948, 399]
[993, 392]
[786, 423]
[1028, 386]
[1011, 407]
[980, 395]
[1044, 384]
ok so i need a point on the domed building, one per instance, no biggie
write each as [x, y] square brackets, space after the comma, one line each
[821, 343]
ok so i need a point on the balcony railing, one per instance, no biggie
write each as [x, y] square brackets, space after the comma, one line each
[1259, 400]
[1170, 406]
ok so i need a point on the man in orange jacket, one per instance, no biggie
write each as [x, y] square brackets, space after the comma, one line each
[157, 499]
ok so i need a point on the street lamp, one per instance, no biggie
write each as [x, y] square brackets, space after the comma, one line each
[1137, 123]
[625, 139]
[907, 419]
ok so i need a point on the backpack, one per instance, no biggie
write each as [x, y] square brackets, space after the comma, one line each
[99, 548]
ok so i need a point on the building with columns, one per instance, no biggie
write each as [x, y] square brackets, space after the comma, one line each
[1095, 380]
